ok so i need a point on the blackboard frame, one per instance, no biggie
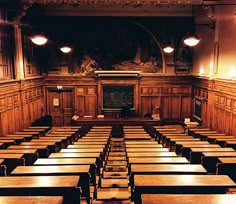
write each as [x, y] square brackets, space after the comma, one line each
[121, 91]
[198, 108]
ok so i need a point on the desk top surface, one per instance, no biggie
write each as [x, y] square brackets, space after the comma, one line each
[227, 160]
[200, 145]
[61, 161]
[76, 169]
[88, 154]
[27, 147]
[16, 151]
[212, 149]
[21, 182]
[11, 156]
[32, 199]
[154, 154]
[70, 150]
[219, 154]
[182, 180]
[160, 160]
[188, 198]
[146, 149]
[181, 168]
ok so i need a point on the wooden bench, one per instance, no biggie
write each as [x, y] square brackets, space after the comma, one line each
[66, 186]
[157, 160]
[18, 138]
[188, 198]
[175, 184]
[196, 153]
[210, 159]
[83, 171]
[42, 131]
[31, 199]
[231, 143]
[7, 142]
[179, 144]
[197, 134]
[71, 136]
[35, 134]
[46, 128]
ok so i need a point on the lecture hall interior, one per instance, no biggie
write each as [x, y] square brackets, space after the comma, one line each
[118, 101]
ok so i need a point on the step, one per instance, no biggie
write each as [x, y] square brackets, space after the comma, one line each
[112, 202]
[114, 182]
[115, 139]
[113, 193]
[117, 154]
[118, 158]
[117, 149]
[114, 174]
[115, 168]
[116, 163]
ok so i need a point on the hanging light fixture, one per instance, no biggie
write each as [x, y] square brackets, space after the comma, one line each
[65, 49]
[168, 49]
[39, 39]
[191, 40]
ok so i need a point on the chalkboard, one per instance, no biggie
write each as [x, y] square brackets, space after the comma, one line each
[117, 96]
[198, 108]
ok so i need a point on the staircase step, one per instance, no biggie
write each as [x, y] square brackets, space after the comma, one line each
[112, 202]
[115, 168]
[117, 149]
[113, 193]
[118, 174]
[113, 139]
[114, 182]
[115, 163]
[118, 158]
[117, 153]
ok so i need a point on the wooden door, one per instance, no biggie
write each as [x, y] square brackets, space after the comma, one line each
[60, 105]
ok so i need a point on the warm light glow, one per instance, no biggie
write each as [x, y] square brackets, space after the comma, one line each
[211, 70]
[168, 49]
[201, 71]
[191, 40]
[39, 39]
[21, 70]
[232, 73]
[65, 49]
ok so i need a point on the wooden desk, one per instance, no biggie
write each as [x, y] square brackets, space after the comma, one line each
[3, 167]
[157, 160]
[42, 150]
[11, 161]
[149, 154]
[83, 171]
[179, 144]
[70, 150]
[41, 131]
[227, 166]
[47, 128]
[31, 199]
[188, 199]
[66, 186]
[62, 141]
[35, 134]
[17, 139]
[30, 155]
[198, 133]
[185, 150]
[196, 153]
[231, 143]
[7, 143]
[52, 146]
[146, 149]
[193, 129]
[167, 169]
[71, 136]
[187, 184]
[210, 159]
[146, 145]
[213, 138]
[173, 141]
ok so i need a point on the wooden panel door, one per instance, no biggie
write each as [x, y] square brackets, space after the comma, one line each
[60, 106]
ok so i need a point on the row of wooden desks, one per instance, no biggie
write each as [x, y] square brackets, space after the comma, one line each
[180, 184]
[66, 186]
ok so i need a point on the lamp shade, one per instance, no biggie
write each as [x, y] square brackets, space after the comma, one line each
[168, 49]
[191, 40]
[39, 39]
[65, 49]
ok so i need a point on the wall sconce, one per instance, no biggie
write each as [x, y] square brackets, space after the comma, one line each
[39, 39]
[168, 49]
[191, 40]
[65, 49]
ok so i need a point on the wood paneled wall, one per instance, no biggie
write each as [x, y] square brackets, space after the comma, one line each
[172, 94]
[219, 103]
[20, 104]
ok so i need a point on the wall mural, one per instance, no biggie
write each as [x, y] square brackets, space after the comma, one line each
[133, 44]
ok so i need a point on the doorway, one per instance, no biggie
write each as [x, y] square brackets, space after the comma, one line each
[60, 105]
